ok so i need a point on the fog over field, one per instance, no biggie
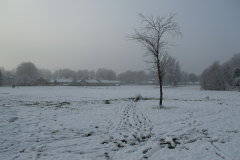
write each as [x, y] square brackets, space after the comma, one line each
[91, 34]
[119, 80]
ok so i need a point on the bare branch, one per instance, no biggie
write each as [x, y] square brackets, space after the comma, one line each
[150, 36]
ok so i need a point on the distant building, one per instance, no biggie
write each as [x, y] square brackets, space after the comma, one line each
[109, 83]
[82, 82]
[61, 81]
[42, 82]
[64, 81]
[147, 83]
[193, 83]
[91, 82]
[53, 82]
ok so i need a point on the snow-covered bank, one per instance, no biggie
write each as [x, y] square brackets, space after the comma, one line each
[104, 123]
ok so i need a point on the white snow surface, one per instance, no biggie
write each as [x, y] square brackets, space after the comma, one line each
[59, 122]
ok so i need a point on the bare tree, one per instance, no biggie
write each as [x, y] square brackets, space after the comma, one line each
[92, 74]
[192, 77]
[170, 68]
[212, 77]
[152, 37]
[177, 72]
[1, 79]
[127, 77]
[106, 74]
[45, 73]
[184, 76]
[27, 68]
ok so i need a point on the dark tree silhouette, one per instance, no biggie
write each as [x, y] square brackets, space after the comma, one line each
[152, 37]
[1, 79]
[27, 68]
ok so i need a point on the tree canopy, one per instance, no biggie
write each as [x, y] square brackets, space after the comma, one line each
[27, 68]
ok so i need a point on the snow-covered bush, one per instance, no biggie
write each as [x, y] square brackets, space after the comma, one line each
[138, 97]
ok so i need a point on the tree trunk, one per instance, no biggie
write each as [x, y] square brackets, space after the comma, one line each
[170, 79]
[161, 94]
[160, 82]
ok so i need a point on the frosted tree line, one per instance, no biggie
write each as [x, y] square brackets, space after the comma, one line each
[26, 74]
[1, 78]
[222, 77]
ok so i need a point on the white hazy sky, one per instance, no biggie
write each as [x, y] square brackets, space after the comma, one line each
[90, 34]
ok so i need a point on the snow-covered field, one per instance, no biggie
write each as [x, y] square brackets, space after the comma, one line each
[105, 123]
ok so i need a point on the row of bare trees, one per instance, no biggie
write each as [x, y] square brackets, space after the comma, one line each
[26, 74]
[222, 77]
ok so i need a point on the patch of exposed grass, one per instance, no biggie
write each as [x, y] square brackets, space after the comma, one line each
[13, 119]
[107, 102]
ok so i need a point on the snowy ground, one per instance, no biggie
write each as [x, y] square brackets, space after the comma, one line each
[105, 123]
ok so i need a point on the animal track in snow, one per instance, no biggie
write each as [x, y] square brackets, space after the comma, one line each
[134, 127]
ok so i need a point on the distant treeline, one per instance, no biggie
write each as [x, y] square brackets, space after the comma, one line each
[26, 74]
[222, 77]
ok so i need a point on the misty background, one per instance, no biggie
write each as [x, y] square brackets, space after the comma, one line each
[91, 34]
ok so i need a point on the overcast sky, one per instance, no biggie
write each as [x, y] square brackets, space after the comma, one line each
[90, 34]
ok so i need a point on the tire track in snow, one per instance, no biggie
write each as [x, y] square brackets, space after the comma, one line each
[220, 152]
